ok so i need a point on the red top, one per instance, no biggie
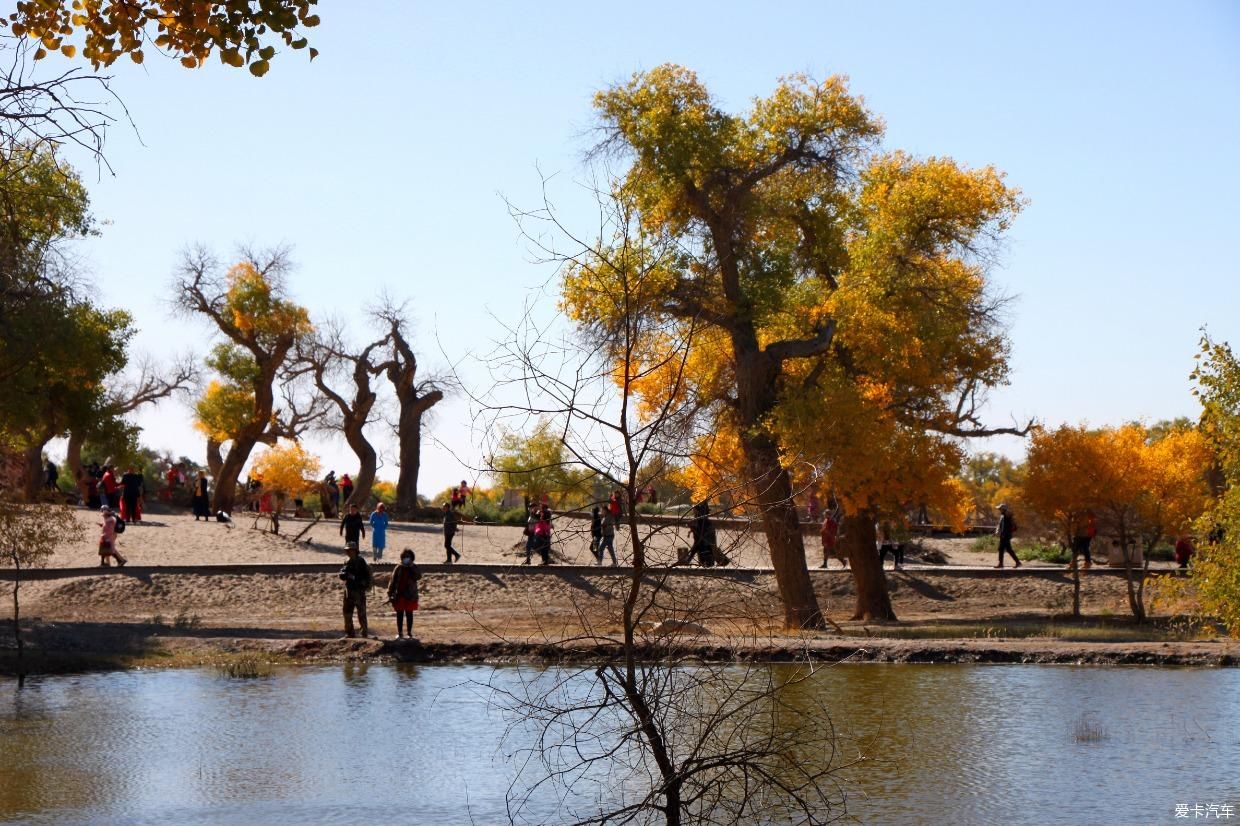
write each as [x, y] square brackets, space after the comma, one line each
[109, 482]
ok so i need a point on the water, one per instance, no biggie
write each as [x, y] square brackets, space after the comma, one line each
[408, 744]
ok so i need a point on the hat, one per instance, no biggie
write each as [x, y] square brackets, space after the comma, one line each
[350, 546]
[105, 509]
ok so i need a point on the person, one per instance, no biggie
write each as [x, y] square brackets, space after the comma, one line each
[403, 591]
[888, 543]
[1084, 528]
[703, 536]
[107, 539]
[333, 491]
[607, 541]
[1004, 530]
[615, 506]
[378, 530]
[531, 517]
[352, 526]
[596, 534]
[93, 499]
[346, 488]
[108, 487]
[202, 498]
[50, 475]
[133, 486]
[1183, 550]
[450, 520]
[460, 495]
[541, 535]
[355, 574]
[831, 540]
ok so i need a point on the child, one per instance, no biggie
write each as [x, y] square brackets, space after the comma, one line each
[107, 539]
[403, 592]
[378, 530]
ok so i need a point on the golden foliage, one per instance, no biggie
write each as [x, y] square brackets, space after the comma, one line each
[287, 470]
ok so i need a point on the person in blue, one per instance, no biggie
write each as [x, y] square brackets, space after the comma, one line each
[378, 530]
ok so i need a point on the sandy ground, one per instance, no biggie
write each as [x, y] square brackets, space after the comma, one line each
[491, 600]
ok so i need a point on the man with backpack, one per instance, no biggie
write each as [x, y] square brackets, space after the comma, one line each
[1004, 530]
[355, 574]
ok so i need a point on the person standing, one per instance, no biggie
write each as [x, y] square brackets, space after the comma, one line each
[403, 591]
[608, 540]
[831, 540]
[1004, 530]
[596, 534]
[107, 488]
[50, 475]
[333, 494]
[889, 544]
[703, 536]
[542, 535]
[1084, 528]
[107, 539]
[352, 527]
[355, 574]
[133, 486]
[202, 497]
[346, 489]
[1183, 550]
[450, 520]
[378, 530]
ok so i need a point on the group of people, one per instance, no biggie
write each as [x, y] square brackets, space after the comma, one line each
[402, 591]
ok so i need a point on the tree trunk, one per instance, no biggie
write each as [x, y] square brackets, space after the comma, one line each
[73, 453]
[215, 460]
[230, 472]
[34, 471]
[368, 465]
[869, 580]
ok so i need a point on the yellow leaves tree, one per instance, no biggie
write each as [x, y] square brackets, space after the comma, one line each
[240, 32]
[288, 471]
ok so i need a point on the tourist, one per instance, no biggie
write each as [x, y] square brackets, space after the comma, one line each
[703, 536]
[50, 475]
[333, 492]
[108, 487]
[133, 487]
[542, 535]
[107, 539]
[1004, 530]
[355, 574]
[1084, 528]
[403, 592]
[531, 518]
[450, 525]
[608, 542]
[831, 540]
[1183, 550]
[378, 530]
[352, 527]
[615, 506]
[460, 495]
[202, 499]
[889, 544]
[346, 488]
[596, 534]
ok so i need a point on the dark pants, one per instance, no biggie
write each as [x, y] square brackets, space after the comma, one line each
[1080, 547]
[1005, 545]
[607, 543]
[447, 545]
[354, 598]
[896, 549]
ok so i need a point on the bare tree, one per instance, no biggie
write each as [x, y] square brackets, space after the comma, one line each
[415, 396]
[664, 735]
[326, 359]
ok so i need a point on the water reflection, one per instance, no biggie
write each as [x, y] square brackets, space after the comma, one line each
[959, 744]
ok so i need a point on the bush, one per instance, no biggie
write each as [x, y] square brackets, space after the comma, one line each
[1026, 549]
[485, 511]
[650, 509]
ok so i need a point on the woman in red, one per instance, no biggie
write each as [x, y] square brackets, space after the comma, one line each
[403, 592]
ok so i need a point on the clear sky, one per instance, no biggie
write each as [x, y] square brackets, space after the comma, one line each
[384, 164]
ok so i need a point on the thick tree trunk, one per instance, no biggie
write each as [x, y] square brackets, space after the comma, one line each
[34, 471]
[368, 461]
[73, 453]
[230, 472]
[215, 459]
[869, 581]
[410, 435]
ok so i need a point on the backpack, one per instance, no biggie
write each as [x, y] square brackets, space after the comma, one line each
[120, 525]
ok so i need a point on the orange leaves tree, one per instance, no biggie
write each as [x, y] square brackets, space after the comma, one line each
[250, 307]
[1144, 485]
[240, 32]
[287, 471]
[820, 272]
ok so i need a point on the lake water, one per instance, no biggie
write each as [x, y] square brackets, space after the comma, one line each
[423, 744]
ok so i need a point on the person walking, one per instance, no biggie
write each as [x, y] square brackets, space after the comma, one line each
[202, 497]
[889, 544]
[1183, 550]
[356, 576]
[378, 530]
[1084, 528]
[703, 532]
[50, 475]
[831, 540]
[1004, 530]
[531, 518]
[346, 489]
[107, 539]
[133, 488]
[596, 534]
[108, 488]
[608, 540]
[352, 527]
[403, 592]
[450, 520]
[542, 535]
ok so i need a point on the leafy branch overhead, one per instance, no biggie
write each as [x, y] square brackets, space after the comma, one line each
[239, 32]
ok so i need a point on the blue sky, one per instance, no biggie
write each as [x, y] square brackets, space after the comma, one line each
[385, 163]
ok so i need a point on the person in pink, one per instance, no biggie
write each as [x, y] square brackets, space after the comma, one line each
[108, 487]
[831, 540]
[107, 539]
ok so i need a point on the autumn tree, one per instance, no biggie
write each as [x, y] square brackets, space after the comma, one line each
[415, 395]
[809, 257]
[539, 463]
[250, 306]
[239, 32]
[288, 471]
[330, 362]
[1216, 570]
